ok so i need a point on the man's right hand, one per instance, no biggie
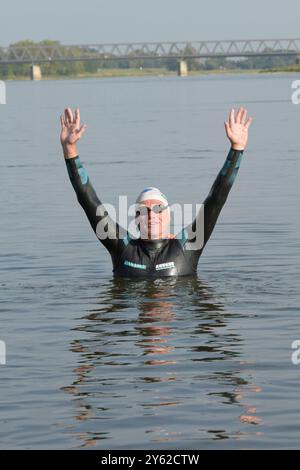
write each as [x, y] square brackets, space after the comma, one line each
[71, 132]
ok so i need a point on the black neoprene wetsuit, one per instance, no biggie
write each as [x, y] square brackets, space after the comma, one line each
[133, 257]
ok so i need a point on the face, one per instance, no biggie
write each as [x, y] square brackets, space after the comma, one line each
[154, 222]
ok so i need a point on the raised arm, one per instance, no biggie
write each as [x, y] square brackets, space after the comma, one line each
[237, 132]
[106, 229]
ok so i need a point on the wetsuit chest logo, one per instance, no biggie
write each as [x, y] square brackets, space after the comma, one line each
[134, 265]
[161, 266]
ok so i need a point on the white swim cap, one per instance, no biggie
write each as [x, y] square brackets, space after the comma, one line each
[152, 193]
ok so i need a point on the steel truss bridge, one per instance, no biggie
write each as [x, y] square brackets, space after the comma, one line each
[151, 50]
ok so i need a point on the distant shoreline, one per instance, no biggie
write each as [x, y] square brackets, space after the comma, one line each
[147, 72]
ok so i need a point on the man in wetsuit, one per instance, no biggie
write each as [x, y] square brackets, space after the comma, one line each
[155, 253]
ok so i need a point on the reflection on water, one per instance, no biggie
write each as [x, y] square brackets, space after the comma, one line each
[139, 374]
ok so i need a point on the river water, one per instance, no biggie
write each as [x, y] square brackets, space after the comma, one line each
[93, 362]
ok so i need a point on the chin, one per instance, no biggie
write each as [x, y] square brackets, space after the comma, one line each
[155, 234]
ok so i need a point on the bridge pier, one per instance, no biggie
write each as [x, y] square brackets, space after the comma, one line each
[36, 72]
[182, 68]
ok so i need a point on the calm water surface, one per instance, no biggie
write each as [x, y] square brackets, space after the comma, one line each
[94, 362]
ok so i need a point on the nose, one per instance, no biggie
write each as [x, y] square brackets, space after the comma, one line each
[150, 216]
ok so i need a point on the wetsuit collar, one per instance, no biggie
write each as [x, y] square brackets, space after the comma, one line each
[154, 245]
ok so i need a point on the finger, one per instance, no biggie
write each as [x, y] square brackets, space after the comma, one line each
[228, 130]
[227, 127]
[69, 116]
[243, 117]
[231, 118]
[81, 131]
[77, 118]
[238, 116]
[66, 116]
[248, 124]
[66, 119]
[62, 121]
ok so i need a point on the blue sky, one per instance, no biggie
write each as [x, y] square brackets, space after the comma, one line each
[99, 21]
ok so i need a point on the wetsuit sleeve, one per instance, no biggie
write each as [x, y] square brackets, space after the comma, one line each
[207, 217]
[219, 192]
[106, 230]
